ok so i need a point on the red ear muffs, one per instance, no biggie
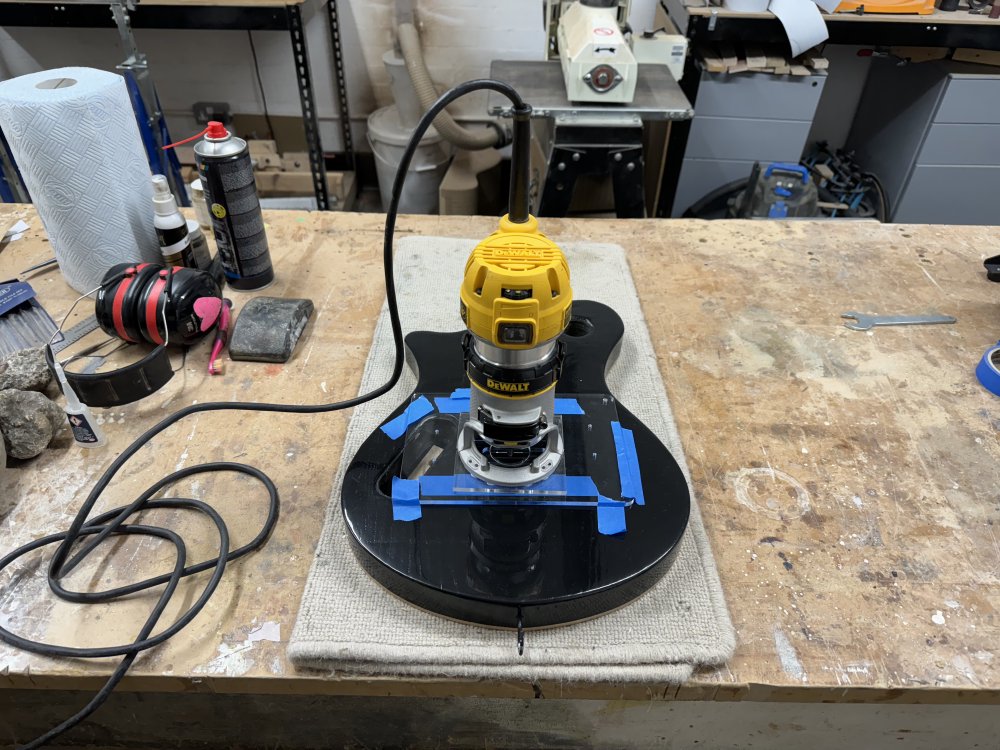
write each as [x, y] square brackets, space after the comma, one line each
[134, 300]
[131, 298]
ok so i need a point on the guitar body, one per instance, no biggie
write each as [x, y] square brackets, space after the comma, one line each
[584, 542]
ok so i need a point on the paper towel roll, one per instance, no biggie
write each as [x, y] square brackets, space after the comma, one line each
[74, 137]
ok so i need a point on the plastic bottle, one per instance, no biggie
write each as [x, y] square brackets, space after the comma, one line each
[86, 431]
[171, 227]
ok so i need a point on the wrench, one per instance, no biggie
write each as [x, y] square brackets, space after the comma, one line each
[864, 322]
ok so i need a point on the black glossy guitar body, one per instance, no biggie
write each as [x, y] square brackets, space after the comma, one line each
[497, 561]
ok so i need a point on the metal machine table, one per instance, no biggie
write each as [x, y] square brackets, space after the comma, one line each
[585, 138]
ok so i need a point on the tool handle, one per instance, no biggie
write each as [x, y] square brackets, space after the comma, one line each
[783, 167]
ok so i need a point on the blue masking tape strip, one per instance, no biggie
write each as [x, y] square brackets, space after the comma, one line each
[451, 405]
[415, 411]
[405, 499]
[568, 406]
[610, 513]
[633, 463]
[444, 486]
[610, 516]
[462, 393]
[459, 404]
[628, 463]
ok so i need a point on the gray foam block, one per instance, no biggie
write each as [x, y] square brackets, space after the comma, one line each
[268, 328]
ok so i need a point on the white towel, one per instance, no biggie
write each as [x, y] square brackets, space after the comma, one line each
[348, 623]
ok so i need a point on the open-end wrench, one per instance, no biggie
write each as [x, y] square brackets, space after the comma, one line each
[863, 321]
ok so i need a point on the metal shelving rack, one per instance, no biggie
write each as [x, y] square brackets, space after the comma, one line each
[269, 15]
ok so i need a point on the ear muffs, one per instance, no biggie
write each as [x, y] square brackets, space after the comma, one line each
[134, 300]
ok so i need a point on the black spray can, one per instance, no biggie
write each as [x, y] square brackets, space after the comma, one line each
[231, 195]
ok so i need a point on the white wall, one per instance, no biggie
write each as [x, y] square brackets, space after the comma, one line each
[460, 38]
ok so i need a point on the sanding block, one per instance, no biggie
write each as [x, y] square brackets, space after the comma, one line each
[268, 328]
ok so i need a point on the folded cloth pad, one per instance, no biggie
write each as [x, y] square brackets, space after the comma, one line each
[349, 624]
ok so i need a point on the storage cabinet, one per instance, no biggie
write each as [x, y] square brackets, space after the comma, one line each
[931, 133]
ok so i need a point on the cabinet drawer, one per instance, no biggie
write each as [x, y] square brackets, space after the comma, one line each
[742, 140]
[759, 95]
[950, 195]
[970, 100]
[975, 145]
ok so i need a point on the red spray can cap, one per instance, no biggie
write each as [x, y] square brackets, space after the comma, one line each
[215, 131]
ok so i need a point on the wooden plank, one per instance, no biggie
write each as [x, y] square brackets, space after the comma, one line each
[756, 58]
[711, 60]
[981, 56]
[728, 53]
[920, 54]
[295, 161]
[265, 154]
[937, 18]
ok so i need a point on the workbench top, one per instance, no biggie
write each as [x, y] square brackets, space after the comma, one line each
[848, 480]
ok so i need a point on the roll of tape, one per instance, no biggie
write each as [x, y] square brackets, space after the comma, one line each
[988, 370]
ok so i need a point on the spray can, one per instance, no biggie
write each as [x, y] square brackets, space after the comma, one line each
[231, 194]
[171, 227]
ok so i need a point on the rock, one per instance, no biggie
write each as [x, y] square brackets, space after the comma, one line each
[9, 500]
[28, 420]
[25, 370]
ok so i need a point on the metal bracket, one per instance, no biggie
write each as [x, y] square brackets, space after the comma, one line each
[338, 72]
[146, 103]
[300, 54]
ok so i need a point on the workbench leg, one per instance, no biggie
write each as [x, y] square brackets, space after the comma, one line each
[564, 167]
[300, 55]
[627, 181]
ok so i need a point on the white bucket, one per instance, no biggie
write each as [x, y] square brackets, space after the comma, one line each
[388, 139]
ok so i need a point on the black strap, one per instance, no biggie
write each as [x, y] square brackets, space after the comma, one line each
[121, 386]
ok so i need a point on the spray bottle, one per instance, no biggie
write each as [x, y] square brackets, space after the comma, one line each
[86, 431]
[171, 227]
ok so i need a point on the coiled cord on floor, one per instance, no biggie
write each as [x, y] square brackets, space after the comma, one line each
[114, 522]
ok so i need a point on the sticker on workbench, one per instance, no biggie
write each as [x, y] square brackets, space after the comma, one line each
[417, 410]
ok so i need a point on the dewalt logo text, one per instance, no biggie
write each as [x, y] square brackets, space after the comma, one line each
[498, 385]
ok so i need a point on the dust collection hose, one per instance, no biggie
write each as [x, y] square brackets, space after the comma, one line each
[86, 533]
[451, 131]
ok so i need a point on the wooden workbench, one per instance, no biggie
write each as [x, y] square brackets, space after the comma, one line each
[849, 483]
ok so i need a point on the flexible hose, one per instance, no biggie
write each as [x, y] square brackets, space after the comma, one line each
[444, 123]
[113, 522]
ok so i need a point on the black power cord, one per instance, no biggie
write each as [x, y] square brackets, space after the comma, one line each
[113, 522]
[260, 85]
